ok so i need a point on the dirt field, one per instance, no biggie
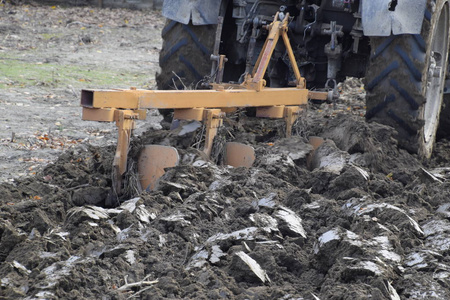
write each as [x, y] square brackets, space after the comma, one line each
[358, 218]
[47, 55]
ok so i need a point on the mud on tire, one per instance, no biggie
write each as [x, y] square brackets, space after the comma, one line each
[398, 80]
[185, 55]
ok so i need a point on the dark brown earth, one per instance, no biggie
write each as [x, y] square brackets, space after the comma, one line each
[357, 219]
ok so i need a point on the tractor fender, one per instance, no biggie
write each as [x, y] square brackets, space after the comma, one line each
[386, 17]
[201, 12]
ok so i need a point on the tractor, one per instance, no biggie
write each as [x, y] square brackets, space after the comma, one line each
[400, 47]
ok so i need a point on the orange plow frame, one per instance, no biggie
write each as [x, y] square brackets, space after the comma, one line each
[126, 106]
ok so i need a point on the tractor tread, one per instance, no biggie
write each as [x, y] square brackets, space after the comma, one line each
[394, 84]
[185, 55]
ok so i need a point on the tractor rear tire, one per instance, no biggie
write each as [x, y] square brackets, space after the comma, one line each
[405, 80]
[185, 55]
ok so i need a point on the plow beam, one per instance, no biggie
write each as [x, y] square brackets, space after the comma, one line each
[148, 99]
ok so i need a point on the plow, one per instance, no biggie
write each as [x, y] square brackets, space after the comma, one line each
[242, 174]
[404, 60]
[125, 107]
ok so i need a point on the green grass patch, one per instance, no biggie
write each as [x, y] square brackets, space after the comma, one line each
[48, 36]
[15, 72]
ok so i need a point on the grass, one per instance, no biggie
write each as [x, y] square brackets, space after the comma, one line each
[16, 72]
[49, 36]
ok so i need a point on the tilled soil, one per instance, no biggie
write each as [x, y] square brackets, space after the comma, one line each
[358, 218]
